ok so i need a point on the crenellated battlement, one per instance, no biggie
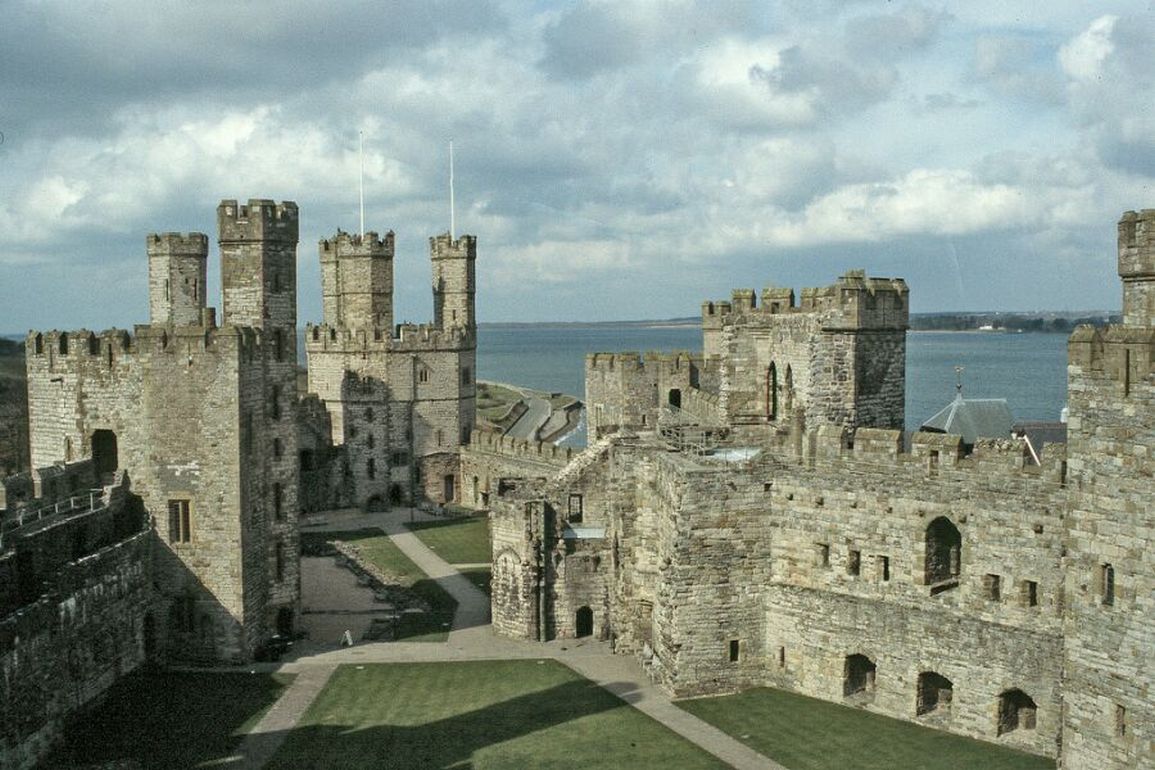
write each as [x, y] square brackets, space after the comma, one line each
[411, 338]
[258, 220]
[357, 245]
[633, 362]
[177, 244]
[854, 301]
[113, 347]
[496, 443]
[445, 246]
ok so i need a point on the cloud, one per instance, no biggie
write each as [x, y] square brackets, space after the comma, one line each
[601, 146]
[1082, 57]
[940, 202]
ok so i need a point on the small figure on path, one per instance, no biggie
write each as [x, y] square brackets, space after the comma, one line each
[347, 638]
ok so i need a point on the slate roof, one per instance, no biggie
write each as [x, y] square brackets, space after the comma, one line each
[973, 418]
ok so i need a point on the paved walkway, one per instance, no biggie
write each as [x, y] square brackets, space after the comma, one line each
[472, 638]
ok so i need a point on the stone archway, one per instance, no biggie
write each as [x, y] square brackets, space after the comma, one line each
[584, 622]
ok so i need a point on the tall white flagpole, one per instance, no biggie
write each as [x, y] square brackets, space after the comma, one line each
[361, 174]
[452, 210]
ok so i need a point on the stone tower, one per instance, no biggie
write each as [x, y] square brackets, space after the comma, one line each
[1108, 712]
[258, 244]
[1137, 266]
[177, 269]
[357, 280]
[454, 280]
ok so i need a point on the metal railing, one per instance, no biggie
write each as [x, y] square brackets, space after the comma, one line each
[22, 517]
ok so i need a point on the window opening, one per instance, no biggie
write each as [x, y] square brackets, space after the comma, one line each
[180, 521]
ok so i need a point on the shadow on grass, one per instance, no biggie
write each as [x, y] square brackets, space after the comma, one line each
[806, 733]
[167, 720]
[419, 731]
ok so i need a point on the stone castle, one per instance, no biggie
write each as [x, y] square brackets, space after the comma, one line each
[748, 515]
[752, 515]
[172, 462]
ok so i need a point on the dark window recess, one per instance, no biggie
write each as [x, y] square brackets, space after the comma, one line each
[735, 650]
[179, 521]
[575, 508]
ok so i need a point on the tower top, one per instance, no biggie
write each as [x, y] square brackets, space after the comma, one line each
[353, 245]
[259, 220]
[445, 246]
[177, 244]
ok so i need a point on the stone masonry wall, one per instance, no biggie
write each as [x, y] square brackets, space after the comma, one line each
[1110, 569]
[67, 647]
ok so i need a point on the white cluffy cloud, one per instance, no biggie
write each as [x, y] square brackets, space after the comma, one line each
[646, 154]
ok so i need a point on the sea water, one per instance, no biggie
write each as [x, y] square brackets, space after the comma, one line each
[1028, 370]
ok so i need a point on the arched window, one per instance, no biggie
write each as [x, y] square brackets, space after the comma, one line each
[789, 391]
[943, 554]
[935, 692]
[1016, 711]
[1107, 584]
[772, 392]
[858, 675]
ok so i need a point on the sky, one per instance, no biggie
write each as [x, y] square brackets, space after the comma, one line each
[616, 160]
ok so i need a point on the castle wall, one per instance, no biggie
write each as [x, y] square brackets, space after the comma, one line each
[810, 633]
[84, 628]
[147, 390]
[714, 547]
[1109, 634]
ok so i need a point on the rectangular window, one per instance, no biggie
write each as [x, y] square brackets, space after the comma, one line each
[992, 587]
[466, 376]
[179, 521]
[398, 459]
[1120, 720]
[280, 556]
[575, 508]
[883, 568]
[423, 375]
[735, 648]
[854, 562]
[822, 554]
[781, 657]
[1107, 584]
[278, 501]
[275, 402]
[1030, 593]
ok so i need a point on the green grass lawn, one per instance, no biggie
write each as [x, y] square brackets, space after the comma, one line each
[376, 547]
[808, 734]
[458, 541]
[480, 715]
[167, 720]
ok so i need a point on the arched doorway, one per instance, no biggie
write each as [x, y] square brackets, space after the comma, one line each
[584, 622]
[104, 453]
[396, 496]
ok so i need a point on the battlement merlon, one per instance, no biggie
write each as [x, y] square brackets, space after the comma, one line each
[259, 220]
[368, 245]
[1137, 266]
